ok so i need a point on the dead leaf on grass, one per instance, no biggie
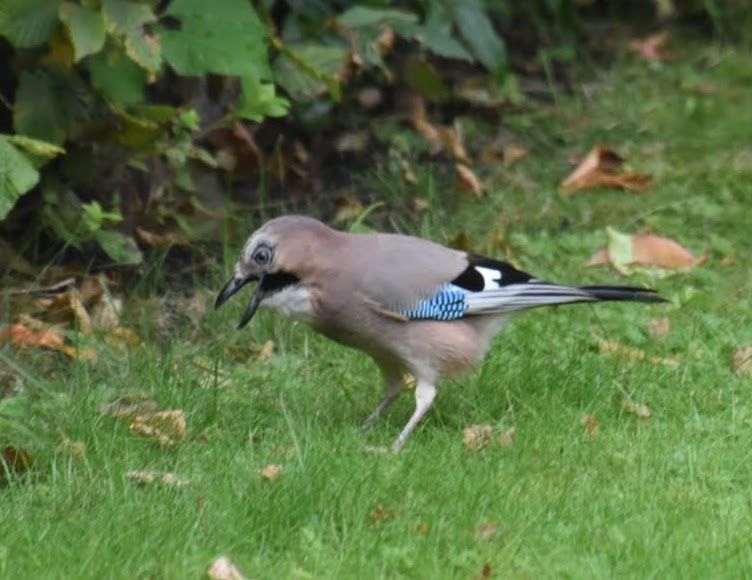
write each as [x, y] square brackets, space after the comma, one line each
[652, 48]
[513, 153]
[76, 450]
[271, 472]
[506, 437]
[659, 327]
[599, 168]
[486, 531]
[638, 409]
[264, 352]
[468, 181]
[159, 241]
[476, 437]
[223, 569]
[485, 572]
[167, 428]
[624, 251]
[150, 477]
[128, 407]
[591, 425]
[422, 528]
[48, 337]
[14, 460]
[634, 354]
[381, 514]
[349, 207]
[741, 360]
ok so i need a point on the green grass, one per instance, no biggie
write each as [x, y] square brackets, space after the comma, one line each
[668, 497]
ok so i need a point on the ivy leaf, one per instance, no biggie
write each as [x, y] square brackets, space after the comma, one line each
[260, 100]
[228, 41]
[117, 77]
[17, 175]
[478, 33]
[121, 248]
[127, 21]
[85, 28]
[28, 23]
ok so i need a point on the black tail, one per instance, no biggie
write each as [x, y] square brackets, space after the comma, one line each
[628, 293]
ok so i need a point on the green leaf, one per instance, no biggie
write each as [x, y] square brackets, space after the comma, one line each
[85, 28]
[28, 23]
[306, 69]
[362, 16]
[260, 100]
[228, 39]
[436, 36]
[117, 77]
[121, 248]
[17, 175]
[478, 32]
[48, 105]
[127, 21]
[620, 250]
[35, 146]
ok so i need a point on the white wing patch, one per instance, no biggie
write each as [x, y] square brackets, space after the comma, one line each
[491, 278]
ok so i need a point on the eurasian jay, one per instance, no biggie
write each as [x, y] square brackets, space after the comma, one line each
[413, 305]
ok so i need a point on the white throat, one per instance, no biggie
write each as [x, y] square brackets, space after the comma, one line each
[293, 301]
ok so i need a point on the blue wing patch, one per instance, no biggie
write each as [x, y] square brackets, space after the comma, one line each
[447, 304]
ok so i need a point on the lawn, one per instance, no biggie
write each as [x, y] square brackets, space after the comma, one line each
[585, 488]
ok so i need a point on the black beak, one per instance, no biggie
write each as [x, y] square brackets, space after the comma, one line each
[232, 287]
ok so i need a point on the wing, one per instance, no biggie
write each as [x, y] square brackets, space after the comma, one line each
[489, 286]
[397, 272]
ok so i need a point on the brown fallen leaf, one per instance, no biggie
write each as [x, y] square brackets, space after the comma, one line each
[637, 409]
[634, 354]
[167, 428]
[49, 337]
[128, 407]
[271, 472]
[420, 204]
[513, 153]
[223, 569]
[486, 531]
[385, 41]
[468, 181]
[485, 572]
[741, 360]
[652, 48]
[122, 337]
[624, 250]
[14, 460]
[265, 351]
[599, 169]
[149, 477]
[422, 528]
[506, 437]
[349, 207]
[476, 437]
[159, 241]
[76, 450]
[591, 425]
[370, 97]
[381, 514]
[439, 138]
[659, 327]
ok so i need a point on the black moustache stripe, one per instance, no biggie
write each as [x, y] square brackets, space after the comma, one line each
[277, 281]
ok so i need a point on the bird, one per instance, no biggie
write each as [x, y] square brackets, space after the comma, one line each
[416, 307]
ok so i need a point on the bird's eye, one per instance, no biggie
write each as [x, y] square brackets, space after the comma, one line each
[262, 256]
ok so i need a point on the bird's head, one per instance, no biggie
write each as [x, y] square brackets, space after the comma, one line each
[276, 256]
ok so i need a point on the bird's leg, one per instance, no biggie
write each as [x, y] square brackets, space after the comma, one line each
[425, 393]
[393, 390]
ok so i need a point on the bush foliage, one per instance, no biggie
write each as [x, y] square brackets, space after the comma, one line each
[105, 94]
